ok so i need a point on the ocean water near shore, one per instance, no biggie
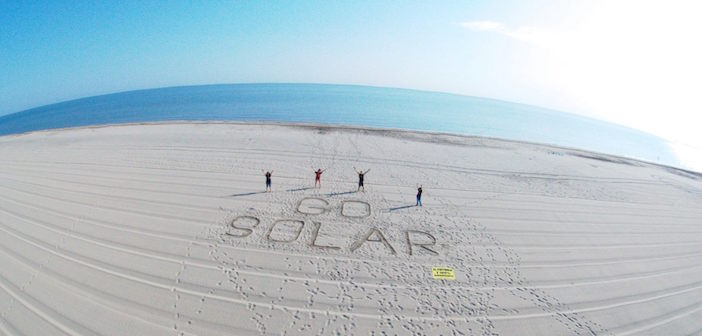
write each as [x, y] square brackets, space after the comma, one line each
[347, 105]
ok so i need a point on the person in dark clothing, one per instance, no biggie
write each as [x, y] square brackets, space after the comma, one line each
[419, 196]
[361, 174]
[268, 180]
[318, 177]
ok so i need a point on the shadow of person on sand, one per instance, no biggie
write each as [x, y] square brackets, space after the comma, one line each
[246, 194]
[341, 193]
[402, 207]
[299, 189]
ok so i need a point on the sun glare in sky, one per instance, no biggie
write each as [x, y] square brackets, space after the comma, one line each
[635, 63]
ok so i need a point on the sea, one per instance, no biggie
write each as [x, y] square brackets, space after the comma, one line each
[347, 105]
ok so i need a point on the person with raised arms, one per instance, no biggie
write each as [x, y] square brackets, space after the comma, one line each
[268, 179]
[361, 175]
[318, 177]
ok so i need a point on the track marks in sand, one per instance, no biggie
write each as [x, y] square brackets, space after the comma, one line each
[160, 259]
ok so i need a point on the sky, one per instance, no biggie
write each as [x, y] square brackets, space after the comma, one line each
[635, 63]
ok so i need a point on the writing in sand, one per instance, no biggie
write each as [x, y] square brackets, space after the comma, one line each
[288, 230]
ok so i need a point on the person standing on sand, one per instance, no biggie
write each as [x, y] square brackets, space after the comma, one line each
[419, 196]
[268, 180]
[361, 174]
[318, 177]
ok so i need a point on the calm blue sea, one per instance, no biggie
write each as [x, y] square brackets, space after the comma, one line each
[347, 105]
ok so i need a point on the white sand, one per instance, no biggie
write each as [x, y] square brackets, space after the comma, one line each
[125, 230]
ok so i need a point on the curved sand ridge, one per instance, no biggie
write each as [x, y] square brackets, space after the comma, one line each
[165, 229]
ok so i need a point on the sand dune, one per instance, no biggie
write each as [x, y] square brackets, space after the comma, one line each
[165, 229]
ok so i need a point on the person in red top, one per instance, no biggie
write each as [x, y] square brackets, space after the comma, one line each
[318, 177]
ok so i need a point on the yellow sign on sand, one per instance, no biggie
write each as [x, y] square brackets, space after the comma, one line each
[443, 273]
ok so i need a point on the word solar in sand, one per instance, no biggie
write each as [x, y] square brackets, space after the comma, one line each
[289, 230]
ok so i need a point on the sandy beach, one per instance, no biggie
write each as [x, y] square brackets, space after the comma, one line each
[165, 229]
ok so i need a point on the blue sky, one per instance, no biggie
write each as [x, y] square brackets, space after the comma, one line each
[55, 50]
[630, 62]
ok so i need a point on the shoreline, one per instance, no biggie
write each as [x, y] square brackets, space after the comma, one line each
[375, 130]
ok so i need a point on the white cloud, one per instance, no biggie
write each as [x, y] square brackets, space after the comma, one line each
[527, 34]
[483, 25]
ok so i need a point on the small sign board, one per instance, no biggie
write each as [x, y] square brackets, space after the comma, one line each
[443, 273]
